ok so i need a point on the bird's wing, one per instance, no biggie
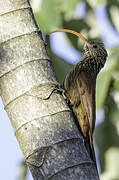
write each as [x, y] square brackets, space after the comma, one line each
[80, 89]
[86, 109]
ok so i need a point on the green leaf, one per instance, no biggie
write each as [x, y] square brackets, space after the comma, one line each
[106, 136]
[111, 164]
[67, 6]
[102, 85]
[47, 15]
[112, 7]
[96, 3]
[114, 116]
[105, 76]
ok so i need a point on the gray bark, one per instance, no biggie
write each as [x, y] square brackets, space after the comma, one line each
[52, 146]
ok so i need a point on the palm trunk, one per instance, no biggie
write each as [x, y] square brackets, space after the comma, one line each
[52, 146]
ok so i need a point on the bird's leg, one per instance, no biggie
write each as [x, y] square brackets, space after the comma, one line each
[60, 88]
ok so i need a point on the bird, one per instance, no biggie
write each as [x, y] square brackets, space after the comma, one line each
[80, 86]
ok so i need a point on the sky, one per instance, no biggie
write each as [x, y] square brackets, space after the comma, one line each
[10, 153]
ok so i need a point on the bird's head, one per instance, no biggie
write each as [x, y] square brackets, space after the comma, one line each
[95, 49]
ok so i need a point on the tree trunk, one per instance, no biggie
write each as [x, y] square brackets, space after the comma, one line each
[52, 145]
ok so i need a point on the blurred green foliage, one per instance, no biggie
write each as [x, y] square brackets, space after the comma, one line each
[54, 14]
[22, 173]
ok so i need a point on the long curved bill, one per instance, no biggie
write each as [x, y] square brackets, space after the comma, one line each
[72, 32]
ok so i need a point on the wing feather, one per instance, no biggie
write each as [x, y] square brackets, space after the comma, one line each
[80, 89]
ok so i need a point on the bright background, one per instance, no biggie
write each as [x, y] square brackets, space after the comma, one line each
[94, 20]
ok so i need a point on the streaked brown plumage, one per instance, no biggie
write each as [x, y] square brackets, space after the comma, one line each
[80, 86]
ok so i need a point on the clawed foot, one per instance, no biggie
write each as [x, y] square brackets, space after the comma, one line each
[61, 89]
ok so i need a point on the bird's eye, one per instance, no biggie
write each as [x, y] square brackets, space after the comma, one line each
[95, 46]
